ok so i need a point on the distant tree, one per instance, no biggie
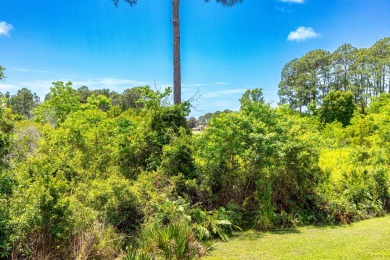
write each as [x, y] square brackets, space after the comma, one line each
[59, 102]
[379, 61]
[102, 102]
[205, 119]
[337, 106]
[359, 78]
[6, 95]
[1, 72]
[342, 60]
[176, 42]
[289, 90]
[365, 72]
[105, 92]
[128, 99]
[251, 97]
[305, 80]
[227, 111]
[192, 122]
[83, 92]
[24, 102]
[315, 75]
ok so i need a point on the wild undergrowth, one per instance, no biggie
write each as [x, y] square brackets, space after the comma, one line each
[85, 178]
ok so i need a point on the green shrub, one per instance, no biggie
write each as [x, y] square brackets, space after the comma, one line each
[117, 202]
[173, 241]
[42, 216]
[5, 228]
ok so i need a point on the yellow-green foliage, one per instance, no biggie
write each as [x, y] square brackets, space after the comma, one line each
[335, 162]
[356, 161]
[89, 180]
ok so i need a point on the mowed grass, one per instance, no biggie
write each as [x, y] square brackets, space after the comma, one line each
[369, 239]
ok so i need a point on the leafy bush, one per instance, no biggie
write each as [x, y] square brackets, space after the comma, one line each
[5, 228]
[173, 241]
[262, 160]
[117, 203]
[96, 182]
[42, 216]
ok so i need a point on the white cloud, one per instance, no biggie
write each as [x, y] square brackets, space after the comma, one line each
[283, 9]
[28, 70]
[302, 33]
[7, 87]
[5, 28]
[223, 104]
[119, 82]
[114, 84]
[42, 87]
[293, 1]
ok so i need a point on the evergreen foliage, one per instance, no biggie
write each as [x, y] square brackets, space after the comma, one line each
[100, 175]
[363, 72]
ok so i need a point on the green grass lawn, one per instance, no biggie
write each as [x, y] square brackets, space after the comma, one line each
[369, 239]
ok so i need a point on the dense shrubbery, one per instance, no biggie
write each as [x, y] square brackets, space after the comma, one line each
[262, 161]
[359, 181]
[85, 178]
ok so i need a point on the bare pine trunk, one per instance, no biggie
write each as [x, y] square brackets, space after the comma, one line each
[176, 53]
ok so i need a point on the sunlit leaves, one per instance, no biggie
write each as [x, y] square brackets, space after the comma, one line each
[60, 102]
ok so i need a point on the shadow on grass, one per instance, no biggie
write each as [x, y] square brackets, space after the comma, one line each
[329, 226]
[256, 234]
[285, 231]
[252, 235]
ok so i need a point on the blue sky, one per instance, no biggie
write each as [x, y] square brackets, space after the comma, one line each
[224, 50]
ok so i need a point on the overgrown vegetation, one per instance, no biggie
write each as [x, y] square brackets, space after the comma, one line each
[99, 175]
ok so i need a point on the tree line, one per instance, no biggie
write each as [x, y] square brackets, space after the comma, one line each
[23, 102]
[365, 72]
